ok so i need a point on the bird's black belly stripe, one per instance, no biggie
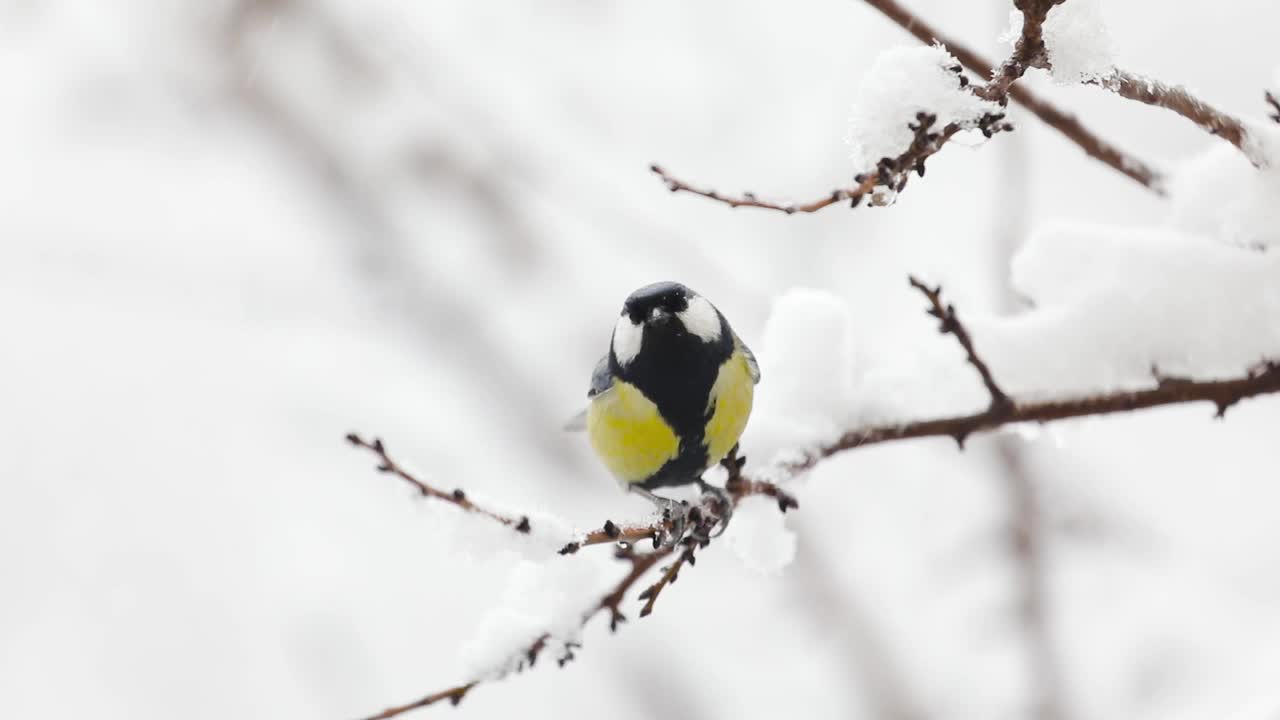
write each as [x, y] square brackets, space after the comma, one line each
[677, 371]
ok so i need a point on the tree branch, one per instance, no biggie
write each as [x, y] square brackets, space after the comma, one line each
[704, 519]
[1261, 380]
[1179, 100]
[641, 563]
[1275, 106]
[1055, 118]
[890, 172]
[893, 172]
[1003, 410]
[457, 497]
[949, 322]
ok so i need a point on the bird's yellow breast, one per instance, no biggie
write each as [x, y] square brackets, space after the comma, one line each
[732, 394]
[630, 435]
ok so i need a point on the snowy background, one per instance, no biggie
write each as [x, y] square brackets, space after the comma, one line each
[232, 232]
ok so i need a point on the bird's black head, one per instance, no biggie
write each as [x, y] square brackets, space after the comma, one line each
[657, 304]
[669, 322]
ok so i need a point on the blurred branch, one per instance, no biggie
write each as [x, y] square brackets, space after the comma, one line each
[1028, 539]
[1179, 100]
[457, 497]
[349, 180]
[1275, 106]
[1055, 118]
[849, 627]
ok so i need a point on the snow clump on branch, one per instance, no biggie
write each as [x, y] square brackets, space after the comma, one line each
[1076, 41]
[902, 83]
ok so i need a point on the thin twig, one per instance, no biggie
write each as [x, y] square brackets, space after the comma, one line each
[1055, 118]
[454, 695]
[669, 575]
[949, 322]
[456, 497]
[1275, 106]
[890, 172]
[641, 563]
[611, 532]
[1179, 100]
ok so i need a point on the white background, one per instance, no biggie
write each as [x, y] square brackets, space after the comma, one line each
[228, 238]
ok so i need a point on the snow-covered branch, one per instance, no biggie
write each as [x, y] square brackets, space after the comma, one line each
[1003, 410]
[1048, 40]
[1262, 379]
[703, 520]
[1056, 118]
[891, 173]
[929, 85]
[1181, 101]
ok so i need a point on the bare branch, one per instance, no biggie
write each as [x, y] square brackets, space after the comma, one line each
[454, 695]
[749, 199]
[1222, 393]
[456, 497]
[1055, 118]
[1182, 102]
[1275, 106]
[949, 322]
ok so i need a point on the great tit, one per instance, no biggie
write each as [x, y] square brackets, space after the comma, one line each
[672, 396]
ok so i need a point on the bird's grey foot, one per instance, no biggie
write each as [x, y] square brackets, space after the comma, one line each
[723, 503]
[674, 512]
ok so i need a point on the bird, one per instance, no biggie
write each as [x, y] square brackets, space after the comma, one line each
[671, 397]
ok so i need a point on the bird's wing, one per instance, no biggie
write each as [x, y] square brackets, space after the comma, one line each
[751, 359]
[601, 382]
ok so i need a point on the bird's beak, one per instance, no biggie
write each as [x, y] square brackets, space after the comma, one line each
[659, 317]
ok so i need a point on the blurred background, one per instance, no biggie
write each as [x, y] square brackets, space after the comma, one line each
[233, 231]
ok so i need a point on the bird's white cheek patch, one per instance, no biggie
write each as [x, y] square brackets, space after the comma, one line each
[701, 319]
[626, 340]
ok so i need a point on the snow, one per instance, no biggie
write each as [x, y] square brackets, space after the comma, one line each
[759, 537]
[1112, 303]
[807, 368]
[1110, 307]
[200, 298]
[1076, 39]
[902, 82]
[1219, 194]
[548, 597]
